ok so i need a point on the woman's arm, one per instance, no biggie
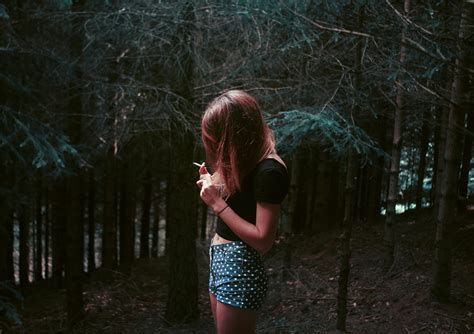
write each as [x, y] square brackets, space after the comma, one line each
[259, 236]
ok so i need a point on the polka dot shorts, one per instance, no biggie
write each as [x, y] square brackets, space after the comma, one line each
[236, 275]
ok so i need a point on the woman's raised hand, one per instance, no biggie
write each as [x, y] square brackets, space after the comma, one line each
[203, 176]
[209, 192]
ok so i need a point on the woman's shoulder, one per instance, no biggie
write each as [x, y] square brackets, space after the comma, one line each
[272, 162]
[271, 181]
[271, 170]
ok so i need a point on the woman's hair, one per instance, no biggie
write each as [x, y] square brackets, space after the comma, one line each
[235, 137]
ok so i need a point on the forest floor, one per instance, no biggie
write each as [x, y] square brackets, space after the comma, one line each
[301, 301]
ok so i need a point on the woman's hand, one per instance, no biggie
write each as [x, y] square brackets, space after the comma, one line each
[209, 192]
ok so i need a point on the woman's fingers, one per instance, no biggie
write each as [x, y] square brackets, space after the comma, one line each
[199, 183]
[208, 192]
[203, 169]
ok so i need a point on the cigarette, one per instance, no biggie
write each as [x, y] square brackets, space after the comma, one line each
[197, 164]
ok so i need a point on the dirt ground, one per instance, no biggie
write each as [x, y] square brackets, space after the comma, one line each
[301, 300]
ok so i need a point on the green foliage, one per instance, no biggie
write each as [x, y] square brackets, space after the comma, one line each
[59, 4]
[327, 128]
[33, 142]
[7, 309]
[3, 12]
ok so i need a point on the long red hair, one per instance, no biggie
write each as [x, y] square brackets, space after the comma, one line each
[235, 137]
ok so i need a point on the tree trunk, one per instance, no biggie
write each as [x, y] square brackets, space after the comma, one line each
[47, 227]
[309, 188]
[183, 283]
[292, 192]
[10, 247]
[74, 267]
[167, 216]
[409, 195]
[320, 214]
[156, 221]
[23, 216]
[8, 274]
[91, 223]
[440, 145]
[424, 141]
[127, 218]
[389, 234]
[452, 155]
[39, 228]
[203, 210]
[466, 161]
[146, 207]
[5, 222]
[350, 200]
[109, 227]
[336, 192]
[295, 195]
[363, 193]
[3, 240]
[58, 209]
[345, 240]
[375, 179]
[182, 303]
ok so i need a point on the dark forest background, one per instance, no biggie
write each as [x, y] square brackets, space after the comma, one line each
[371, 103]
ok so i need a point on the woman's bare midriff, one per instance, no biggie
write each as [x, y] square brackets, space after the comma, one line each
[217, 240]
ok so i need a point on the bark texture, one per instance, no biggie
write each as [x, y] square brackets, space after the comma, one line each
[389, 233]
[441, 285]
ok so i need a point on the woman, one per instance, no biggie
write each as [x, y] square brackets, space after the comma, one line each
[246, 191]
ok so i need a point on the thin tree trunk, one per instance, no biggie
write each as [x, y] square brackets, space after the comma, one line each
[466, 161]
[109, 227]
[127, 218]
[156, 221]
[309, 188]
[320, 214]
[182, 303]
[183, 283]
[376, 176]
[336, 212]
[294, 212]
[58, 209]
[91, 223]
[47, 227]
[350, 200]
[3, 240]
[441, 284]
[436, 141]
[167, 215]
[23, 216]
[292, 192]
[424, 141]
[74, 267]
[10, 244]
[441, 144]
[409, 178]
[389, 234]
[39, 234]
[345, 240]
[363, 193]
[6, 245]
[4, 222]
[203, 234]
[146, 207]
[293, 224]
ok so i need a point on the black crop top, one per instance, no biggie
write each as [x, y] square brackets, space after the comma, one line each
[268, 182]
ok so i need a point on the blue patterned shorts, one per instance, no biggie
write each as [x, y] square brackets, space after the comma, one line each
[236, 275]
